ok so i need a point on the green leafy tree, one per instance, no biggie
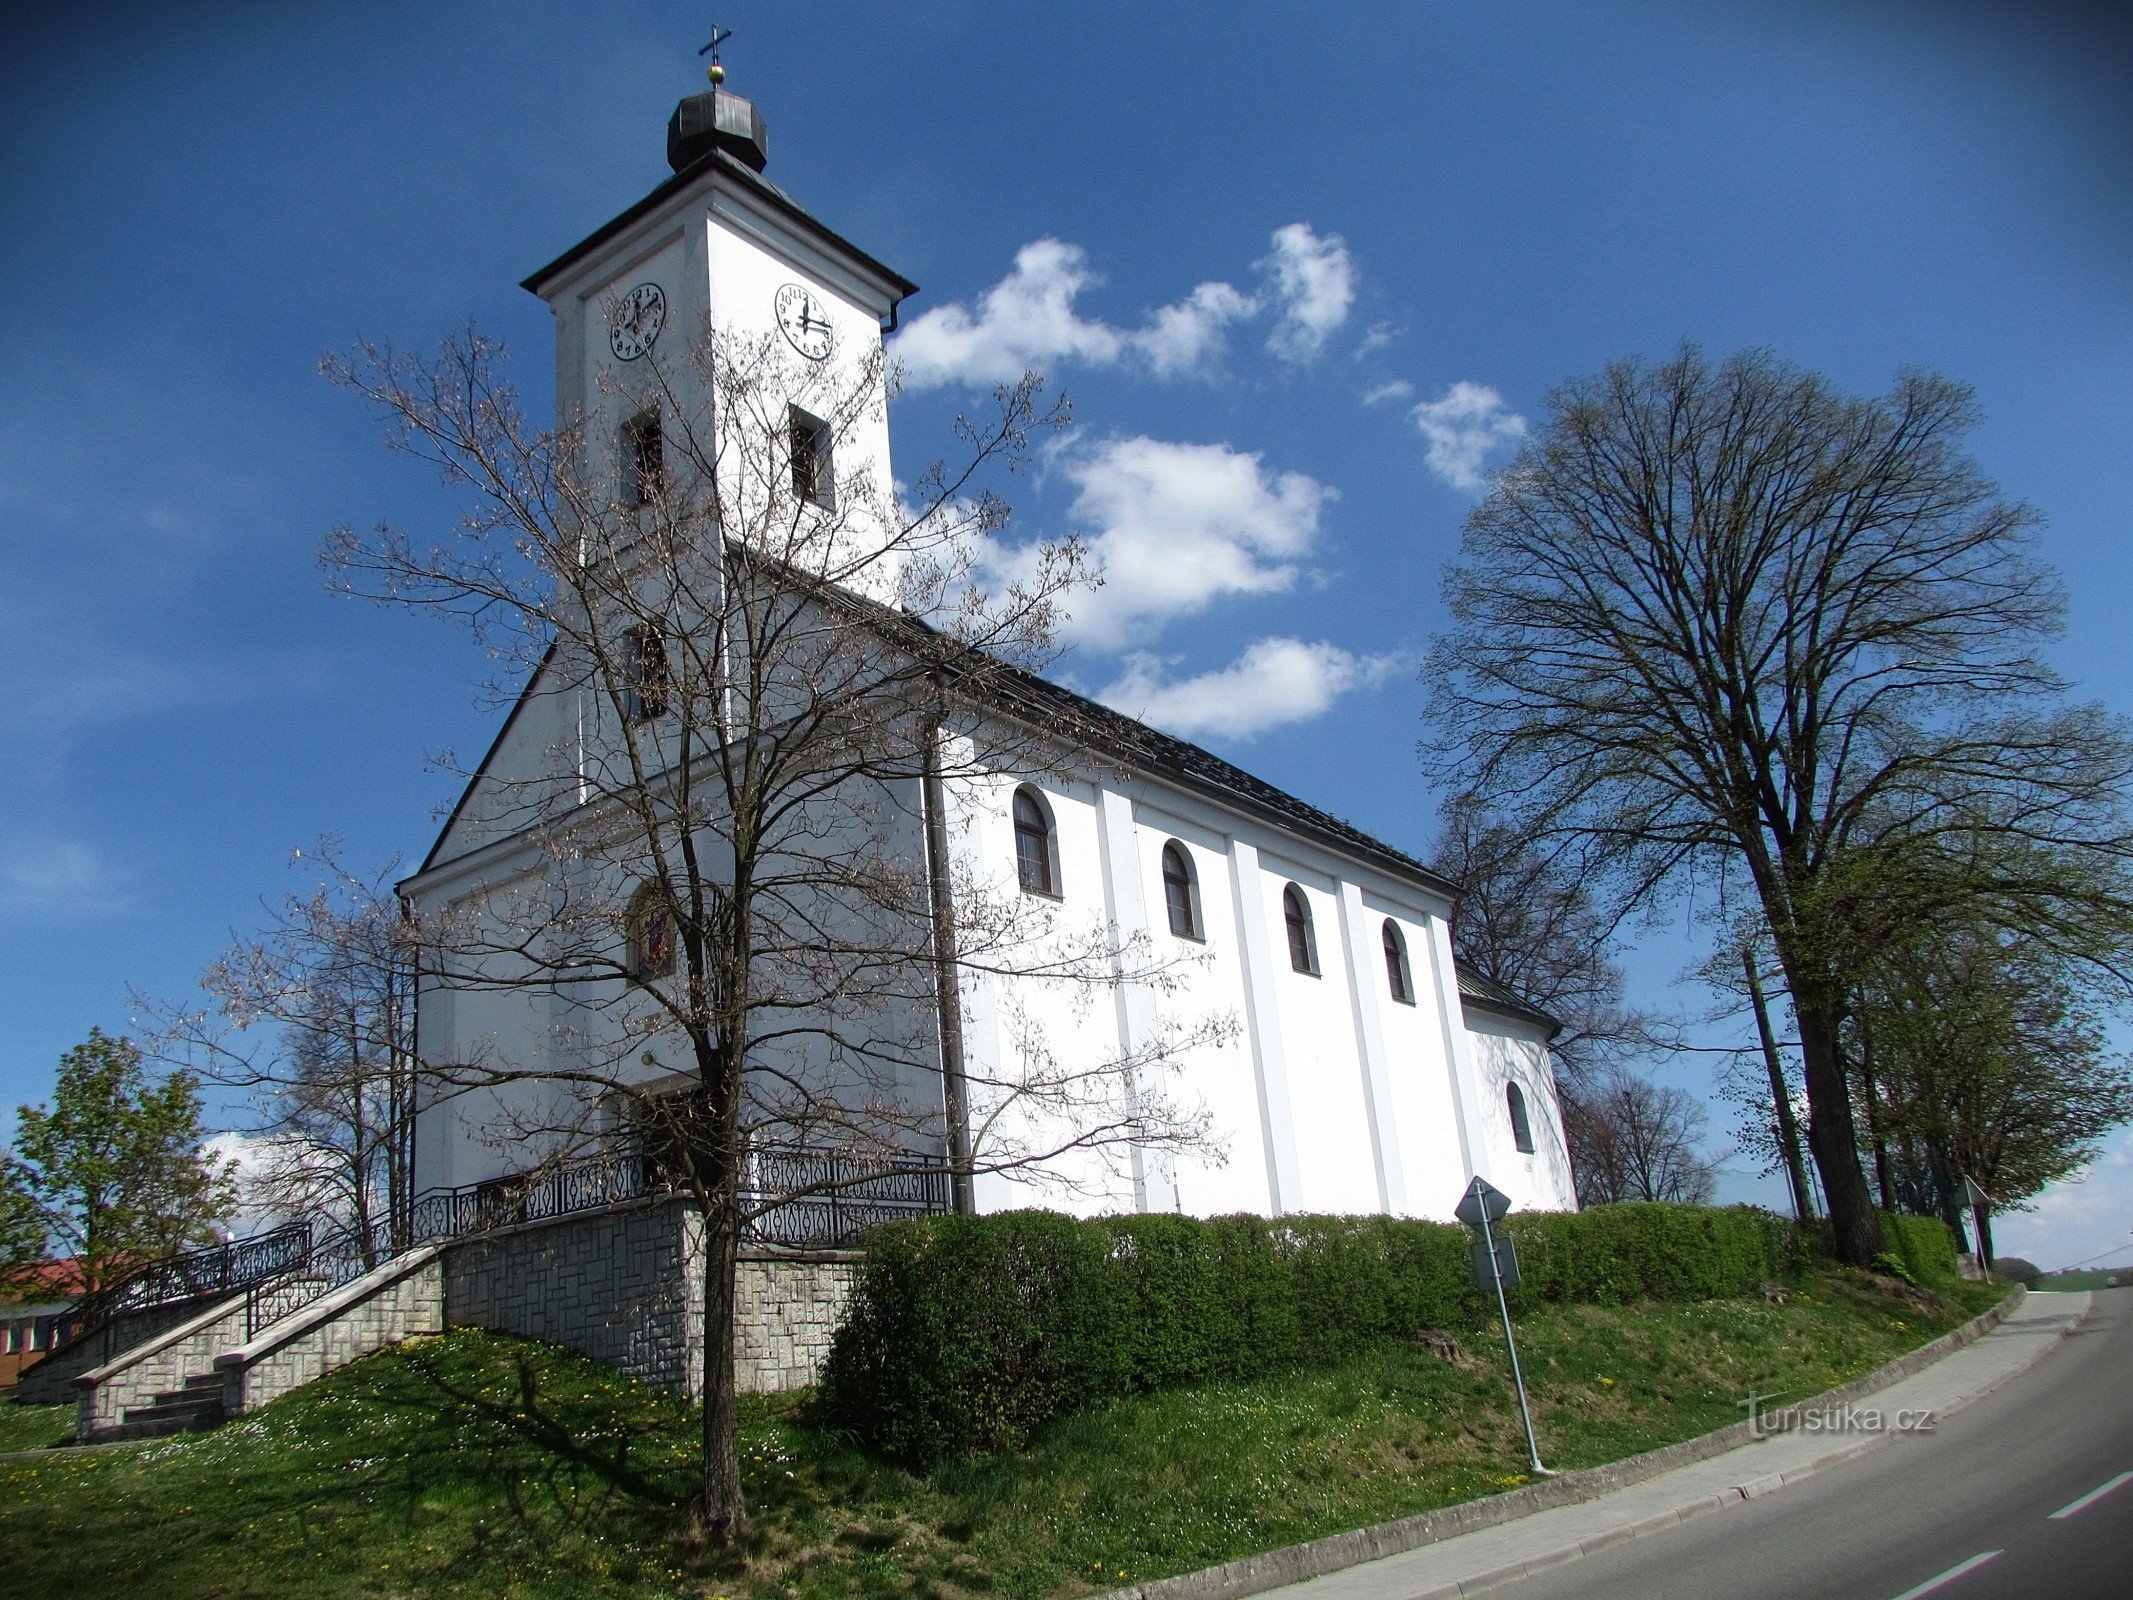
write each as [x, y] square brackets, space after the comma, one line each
[115, 1171]
[1981, 1054]
[22, 1233]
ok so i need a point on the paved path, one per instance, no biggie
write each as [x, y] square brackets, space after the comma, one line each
[1864, 1512]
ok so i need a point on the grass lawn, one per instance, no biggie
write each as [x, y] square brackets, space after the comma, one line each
[34, 1427]
[469, 1464]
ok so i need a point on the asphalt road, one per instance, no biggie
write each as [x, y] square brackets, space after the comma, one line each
[1965, 1511]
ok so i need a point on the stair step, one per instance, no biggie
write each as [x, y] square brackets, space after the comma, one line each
[205, 1380]
[173, 1404]
[191, 1415]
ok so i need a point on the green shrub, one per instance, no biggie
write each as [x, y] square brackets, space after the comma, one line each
[965, 1333]
[1924, 1245]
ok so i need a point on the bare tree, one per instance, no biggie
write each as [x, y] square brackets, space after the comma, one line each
[1526, 918]
[739, 884]
[1641, 1141]
[1735, 627]
[314, 1020]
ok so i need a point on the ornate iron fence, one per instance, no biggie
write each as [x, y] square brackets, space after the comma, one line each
[797, 1199]
[217, 1269]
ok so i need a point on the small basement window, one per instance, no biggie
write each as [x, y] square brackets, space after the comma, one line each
[814, 476]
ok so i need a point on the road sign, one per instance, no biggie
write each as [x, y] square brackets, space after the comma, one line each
[1975, 1196]
[1495, 1270]
[1482, 1203]
[1496, 1265]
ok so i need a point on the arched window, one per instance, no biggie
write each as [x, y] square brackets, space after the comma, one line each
[1036, 853]
[651, 934]
[644, 464]
[1303, 949]
[648, 676]
[1521, 1124]
[1396, 973]
[1178, 892]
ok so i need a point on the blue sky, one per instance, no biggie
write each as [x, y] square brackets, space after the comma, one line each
[1303, 271]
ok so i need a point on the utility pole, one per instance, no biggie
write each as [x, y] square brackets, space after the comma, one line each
[1788, 1127]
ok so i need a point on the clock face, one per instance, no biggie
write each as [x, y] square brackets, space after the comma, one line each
[638, 317]
[805, 319]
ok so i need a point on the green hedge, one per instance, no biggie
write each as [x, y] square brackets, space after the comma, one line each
[1924, 1245]
[967, 1332]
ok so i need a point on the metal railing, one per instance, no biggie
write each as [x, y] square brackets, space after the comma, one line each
[794, 1199]
[216, 1269]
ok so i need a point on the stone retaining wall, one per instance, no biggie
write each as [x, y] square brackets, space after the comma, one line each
[622, 1285]
[790, 1309]
[403, 1297]
[625, 1286]
[104, 1393]
[51, 1381]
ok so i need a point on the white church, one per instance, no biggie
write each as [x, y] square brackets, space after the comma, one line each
[1364, 1071]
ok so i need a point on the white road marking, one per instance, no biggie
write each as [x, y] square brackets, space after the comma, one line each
[2091, 1497]
[1950, 1575]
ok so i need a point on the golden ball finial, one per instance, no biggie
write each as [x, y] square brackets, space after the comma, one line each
[717, 73]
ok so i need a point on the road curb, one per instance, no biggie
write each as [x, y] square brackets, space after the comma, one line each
[1274, 1569]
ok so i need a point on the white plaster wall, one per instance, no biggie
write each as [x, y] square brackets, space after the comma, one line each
[1419, 1068]
[1319, 1039]
[1507, 1052]
[1229, 1172]
[1018, 1021]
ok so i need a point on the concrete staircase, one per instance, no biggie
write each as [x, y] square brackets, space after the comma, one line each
[215, 1366]
[193, 1408]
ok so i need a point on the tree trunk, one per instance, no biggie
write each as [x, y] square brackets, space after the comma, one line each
[1855, 1226]
[1882, 1176]
[1780, 1095]
[719, 1511]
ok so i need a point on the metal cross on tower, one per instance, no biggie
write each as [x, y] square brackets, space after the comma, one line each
[716, 73]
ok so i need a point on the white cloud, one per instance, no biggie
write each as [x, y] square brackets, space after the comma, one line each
[1314, 282]
[1463, 426]
[1027, 320]
[57, 877]
[1379, 335]
[2077, 1217]
[1174, 527]
[1183, 338]
[1398, 389]
[1275, 682]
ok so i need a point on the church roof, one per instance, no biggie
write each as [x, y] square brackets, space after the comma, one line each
[1193, 767]
[1490, 995]
[752, 181]
[1128, 739]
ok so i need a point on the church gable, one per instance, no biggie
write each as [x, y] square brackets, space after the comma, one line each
[530, 755]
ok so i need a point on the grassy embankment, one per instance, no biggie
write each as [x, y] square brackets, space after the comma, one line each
[34, 1427]
[474, 1465]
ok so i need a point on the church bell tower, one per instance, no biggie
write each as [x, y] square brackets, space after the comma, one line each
[717, 246]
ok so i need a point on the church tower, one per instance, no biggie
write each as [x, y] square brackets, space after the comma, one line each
[717, 246]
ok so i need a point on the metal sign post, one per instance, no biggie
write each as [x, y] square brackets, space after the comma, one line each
[1496, 1267]
[1980, 1218]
